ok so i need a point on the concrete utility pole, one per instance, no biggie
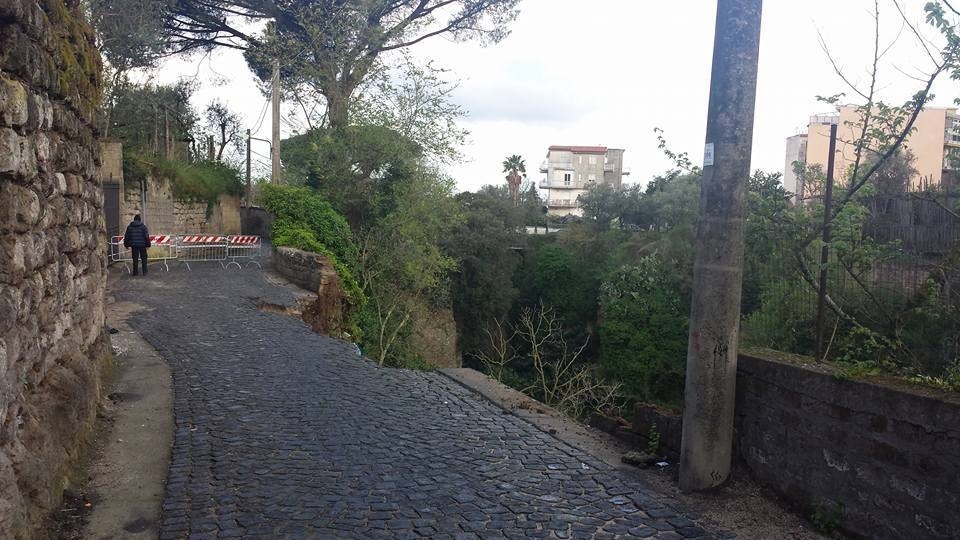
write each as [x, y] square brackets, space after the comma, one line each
[275, 145]
[718, 268]
[249, 182]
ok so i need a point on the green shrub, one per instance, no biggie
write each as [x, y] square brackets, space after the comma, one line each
[643, 331]
[785, 320]
[304, 220]
[301, 207]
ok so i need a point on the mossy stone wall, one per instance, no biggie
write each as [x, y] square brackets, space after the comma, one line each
[52, 254]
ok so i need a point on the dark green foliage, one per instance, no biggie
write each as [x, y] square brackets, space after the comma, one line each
[488, 245]
[139, 116]
[304, 220]
[354, 168]
[643, 331]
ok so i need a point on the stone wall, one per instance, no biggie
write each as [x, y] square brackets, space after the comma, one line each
[167, 215]
[302, 268]
[316, 274]
[889, 458]
[52, 254]
[886, 456]
[164, 213]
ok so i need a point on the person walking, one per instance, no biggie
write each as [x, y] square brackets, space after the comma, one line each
[137, 238]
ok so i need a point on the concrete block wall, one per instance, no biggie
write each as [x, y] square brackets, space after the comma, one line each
[52, 254]
[886, 456]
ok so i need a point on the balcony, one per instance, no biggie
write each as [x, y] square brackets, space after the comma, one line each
[544, 184]
[563, 203]
[609, 167]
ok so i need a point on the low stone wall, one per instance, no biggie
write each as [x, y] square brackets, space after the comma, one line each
[315, 273]
[886, 458]
[302, 268]
[52, 254]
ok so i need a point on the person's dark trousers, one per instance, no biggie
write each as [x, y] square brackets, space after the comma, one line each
[139, 254]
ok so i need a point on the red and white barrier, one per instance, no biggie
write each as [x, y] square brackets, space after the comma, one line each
[201, 248]
[162, 249]
[244, 247]
[188, 248]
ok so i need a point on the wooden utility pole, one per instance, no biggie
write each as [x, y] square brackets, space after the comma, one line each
[718, 267]
[275, 144]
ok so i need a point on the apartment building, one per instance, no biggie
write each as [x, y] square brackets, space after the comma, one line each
[933, 143]
[570, 170]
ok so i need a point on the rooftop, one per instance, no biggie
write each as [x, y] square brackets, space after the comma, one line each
[581, 149]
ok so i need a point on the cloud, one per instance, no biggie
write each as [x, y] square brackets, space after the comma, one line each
[520, 101]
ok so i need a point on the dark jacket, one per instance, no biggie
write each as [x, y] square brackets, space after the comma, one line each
[136, 235]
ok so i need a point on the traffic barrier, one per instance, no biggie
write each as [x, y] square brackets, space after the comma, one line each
[162, 249]
[201, 248]
[189, 248]
[244, 247]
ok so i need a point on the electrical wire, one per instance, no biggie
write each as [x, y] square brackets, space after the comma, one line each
[263, 115]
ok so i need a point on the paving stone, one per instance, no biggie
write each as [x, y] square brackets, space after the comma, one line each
[280, 432]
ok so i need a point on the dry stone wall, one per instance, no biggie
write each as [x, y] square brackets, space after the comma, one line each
[52, 254]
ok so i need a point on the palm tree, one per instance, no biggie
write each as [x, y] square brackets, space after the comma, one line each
[514, 166]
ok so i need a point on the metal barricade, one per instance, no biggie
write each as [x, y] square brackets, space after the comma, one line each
[244, 247]
[162, 249]
[201, 248]
[118, 253]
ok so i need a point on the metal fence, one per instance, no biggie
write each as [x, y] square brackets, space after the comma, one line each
[186, 249]
[892, 288]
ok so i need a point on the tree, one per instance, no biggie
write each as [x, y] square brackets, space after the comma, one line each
[148, 118]
[225, 123]
[488, 244]
[332, 44]
[416, 101]
[516, 169]
[601, 204]
[355, 168]
[403, 266]
[643, 330]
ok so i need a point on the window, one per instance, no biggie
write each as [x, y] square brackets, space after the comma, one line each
[567, 178]
[593, 160]
[581, 160]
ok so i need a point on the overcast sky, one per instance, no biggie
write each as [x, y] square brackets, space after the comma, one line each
[607, 72]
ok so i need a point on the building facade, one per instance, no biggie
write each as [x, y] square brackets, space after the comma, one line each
[570, 170]
[796, 152]
[933, 143]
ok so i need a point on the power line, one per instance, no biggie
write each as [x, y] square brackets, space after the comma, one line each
[263, 114]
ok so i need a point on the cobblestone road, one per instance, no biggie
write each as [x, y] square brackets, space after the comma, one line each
[282, 433]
